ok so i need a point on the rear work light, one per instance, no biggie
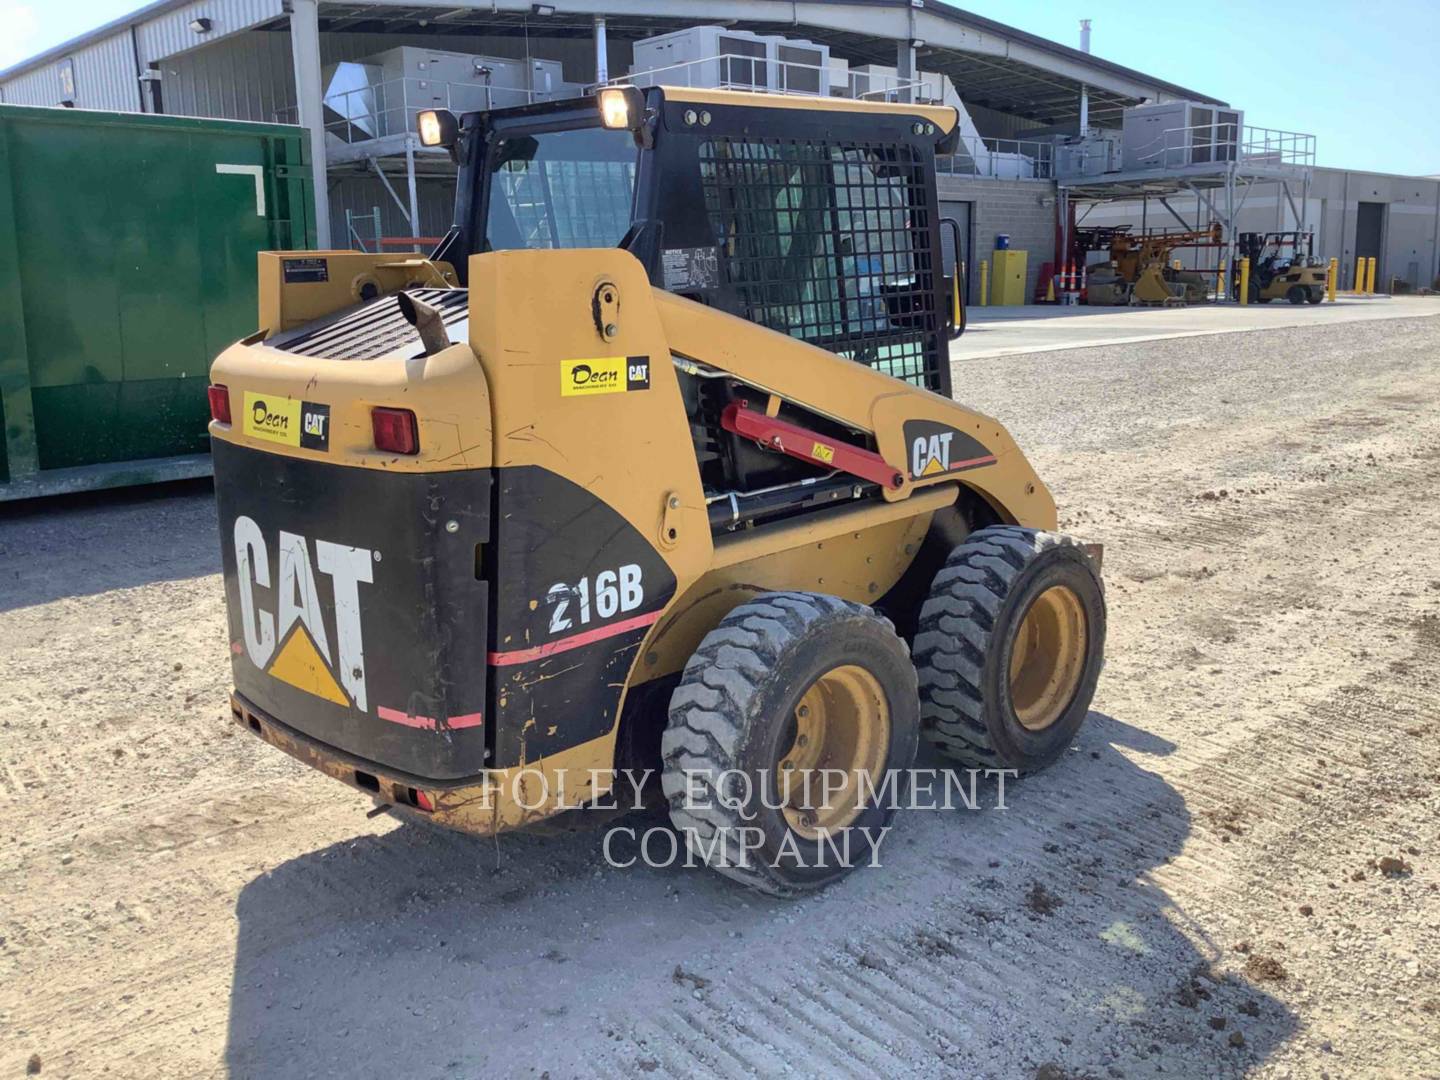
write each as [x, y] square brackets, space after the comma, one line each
[395, 430]
[219, 403]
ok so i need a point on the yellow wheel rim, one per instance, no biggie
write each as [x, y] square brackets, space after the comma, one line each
[1048, 658]
[842, 726]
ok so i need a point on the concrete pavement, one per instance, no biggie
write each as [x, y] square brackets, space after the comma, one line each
[1002, 331]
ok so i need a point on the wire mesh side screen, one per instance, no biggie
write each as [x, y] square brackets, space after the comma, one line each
[830, 243]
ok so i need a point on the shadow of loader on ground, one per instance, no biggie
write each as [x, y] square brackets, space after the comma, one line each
[993, 942]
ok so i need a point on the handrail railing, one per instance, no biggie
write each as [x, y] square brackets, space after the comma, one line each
[1217, 143]
[734, 71]
[389, 107]
[1002, 159]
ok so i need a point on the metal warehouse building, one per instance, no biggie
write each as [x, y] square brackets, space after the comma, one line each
[1046, 129]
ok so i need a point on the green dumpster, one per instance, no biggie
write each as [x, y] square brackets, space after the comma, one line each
[127, 262]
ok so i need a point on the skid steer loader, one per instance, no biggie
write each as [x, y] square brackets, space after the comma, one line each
[652, 465]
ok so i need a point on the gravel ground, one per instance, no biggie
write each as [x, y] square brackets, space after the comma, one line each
[1236, 870]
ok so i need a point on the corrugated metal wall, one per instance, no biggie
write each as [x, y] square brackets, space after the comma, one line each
[104, 78]
[170, 34]
[250, 76]
[247, 74]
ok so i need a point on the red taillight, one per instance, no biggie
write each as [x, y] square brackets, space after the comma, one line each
[423, 801]
[395, 430]
[219, 403]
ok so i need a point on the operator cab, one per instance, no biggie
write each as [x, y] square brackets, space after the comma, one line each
[814, 217]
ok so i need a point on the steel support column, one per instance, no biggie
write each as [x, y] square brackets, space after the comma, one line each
[309, 96]
[602, 57]
[904, 71]
[414, 195]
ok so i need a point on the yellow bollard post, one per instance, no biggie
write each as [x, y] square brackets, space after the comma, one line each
[1358, 284]
[1370, 276]
[1220, 284]
[956, 312]
[1332, 279]
[1244, 279]
[984, 282]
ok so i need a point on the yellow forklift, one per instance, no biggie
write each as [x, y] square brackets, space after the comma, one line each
[1279, 269]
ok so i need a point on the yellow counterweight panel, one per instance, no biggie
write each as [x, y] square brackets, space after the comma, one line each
[446, 391]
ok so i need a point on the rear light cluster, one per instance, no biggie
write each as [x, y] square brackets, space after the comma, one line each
[395, 430]
[219, 403]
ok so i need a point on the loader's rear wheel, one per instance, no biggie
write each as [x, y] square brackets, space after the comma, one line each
[782, 732]
[1009, 648]
[1315, 295]
[1297, 294]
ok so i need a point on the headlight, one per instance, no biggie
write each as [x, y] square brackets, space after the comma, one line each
[438, 127]
[621, 107]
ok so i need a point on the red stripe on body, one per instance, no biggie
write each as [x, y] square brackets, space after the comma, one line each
[395, 716]
[575, 641]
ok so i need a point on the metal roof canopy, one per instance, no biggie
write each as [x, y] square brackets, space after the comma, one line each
[992, 65]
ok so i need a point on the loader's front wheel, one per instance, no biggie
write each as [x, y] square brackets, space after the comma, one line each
[786, 724]
[1010, 644]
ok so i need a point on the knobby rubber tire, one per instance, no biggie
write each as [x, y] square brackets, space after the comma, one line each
[728, 715]
[962, 648]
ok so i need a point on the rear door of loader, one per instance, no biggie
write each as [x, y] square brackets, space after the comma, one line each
[357, 605]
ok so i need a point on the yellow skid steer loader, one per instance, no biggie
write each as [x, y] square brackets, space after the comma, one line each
[651, 465]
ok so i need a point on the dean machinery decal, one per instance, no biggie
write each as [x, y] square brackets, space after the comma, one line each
[284, 420]
[604, 375]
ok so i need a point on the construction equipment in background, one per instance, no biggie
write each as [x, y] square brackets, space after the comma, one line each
[671, 481]
[1280, 269]
[1139, 269]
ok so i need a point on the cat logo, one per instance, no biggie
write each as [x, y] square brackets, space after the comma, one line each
[936, 449]
[304, 658]
[930, 454]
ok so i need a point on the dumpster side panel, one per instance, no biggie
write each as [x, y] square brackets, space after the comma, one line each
[135, 241]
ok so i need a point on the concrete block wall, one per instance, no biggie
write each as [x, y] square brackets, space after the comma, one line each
[1025, 209]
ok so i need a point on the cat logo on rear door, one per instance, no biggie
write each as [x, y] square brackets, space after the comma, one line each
[937, 449]
[292, 643]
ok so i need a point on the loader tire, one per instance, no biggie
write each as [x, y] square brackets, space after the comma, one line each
[793, 678]
[1010, 645]
[1297, 294]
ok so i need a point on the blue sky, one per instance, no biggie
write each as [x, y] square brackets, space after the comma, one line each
[1361, 77]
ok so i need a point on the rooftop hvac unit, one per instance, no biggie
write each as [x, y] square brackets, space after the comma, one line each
[1093, 154]
[1179, 134]
[714, 57]
[800, 67]
[380, 95]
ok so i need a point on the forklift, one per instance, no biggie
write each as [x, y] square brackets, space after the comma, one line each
[650, 468]
[1277, 273]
